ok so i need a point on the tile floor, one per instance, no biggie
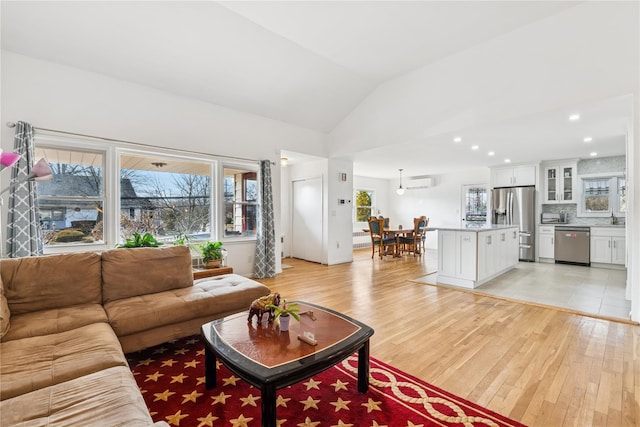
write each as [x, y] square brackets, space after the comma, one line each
[596, 291]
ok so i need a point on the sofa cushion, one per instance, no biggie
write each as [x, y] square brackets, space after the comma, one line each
[55, 320]
[129, 272]
[32, 363]
[207, 297]
[109, 397]
[52, 281]
[5, 314]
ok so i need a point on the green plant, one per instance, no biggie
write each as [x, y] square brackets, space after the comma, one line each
[287, 309]
[140, 241]
[211, 251]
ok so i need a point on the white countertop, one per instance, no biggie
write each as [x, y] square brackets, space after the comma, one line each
[475, 229]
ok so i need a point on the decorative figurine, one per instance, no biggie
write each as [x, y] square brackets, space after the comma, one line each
[259, 307]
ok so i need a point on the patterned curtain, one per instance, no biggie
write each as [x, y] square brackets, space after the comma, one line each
[265, 265]
[23, 228]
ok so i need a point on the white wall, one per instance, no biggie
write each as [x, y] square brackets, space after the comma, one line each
[63, 98]
[440, 203]
[340, 242]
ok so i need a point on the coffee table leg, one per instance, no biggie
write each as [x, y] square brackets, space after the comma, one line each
[363, 368]
[209, 368]
[268, 406]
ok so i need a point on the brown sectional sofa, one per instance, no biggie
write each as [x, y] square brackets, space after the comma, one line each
[66, 322]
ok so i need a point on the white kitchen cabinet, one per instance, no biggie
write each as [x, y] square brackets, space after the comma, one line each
[513, 246]
[546, 248]
[608, 245]
[468, 257]
[487, 254]
[460, 261]
[560, 183]
[513, 176]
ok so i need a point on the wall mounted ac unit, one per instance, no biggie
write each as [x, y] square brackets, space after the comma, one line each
[418, 182]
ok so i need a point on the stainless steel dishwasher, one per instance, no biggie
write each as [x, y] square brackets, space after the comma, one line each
[572, 245]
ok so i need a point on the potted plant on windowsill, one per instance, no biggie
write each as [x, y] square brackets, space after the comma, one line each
[140, 241]
[284, 313]
[212, 254]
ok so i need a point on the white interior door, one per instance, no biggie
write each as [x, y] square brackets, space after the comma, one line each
[306, 235]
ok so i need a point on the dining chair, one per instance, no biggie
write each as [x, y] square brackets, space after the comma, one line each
[378, 239]
[386, 221]
[415, 242]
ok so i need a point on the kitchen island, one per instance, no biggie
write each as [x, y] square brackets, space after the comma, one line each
[469, 257]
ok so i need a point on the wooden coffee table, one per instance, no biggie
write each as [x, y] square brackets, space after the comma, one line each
[270, 359]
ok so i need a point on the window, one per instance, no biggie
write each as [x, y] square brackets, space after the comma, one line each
[240, 202]
[364, 205]
[622, 195]
[475, 204]
[169, 197]
[603, 196]
[596, 195]
[71, 206]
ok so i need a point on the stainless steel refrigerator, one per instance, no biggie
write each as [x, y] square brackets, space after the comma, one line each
[516, 206]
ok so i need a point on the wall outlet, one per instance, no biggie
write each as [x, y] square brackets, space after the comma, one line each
[338, 245]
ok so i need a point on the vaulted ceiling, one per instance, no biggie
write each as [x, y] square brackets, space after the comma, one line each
[311, 64]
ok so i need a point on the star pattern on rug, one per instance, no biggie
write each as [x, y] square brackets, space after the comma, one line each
[241, 421]
[191, 397]
[339, 385]
[341, 404]
[250, 400]
[178, 378]
[207, 420]
[175, 418]
[164, 395]
[310, 402]
[172, 382]
[221, 398]
[154, 377]
[309, 423]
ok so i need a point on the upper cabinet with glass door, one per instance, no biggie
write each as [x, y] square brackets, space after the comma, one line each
[560, 183]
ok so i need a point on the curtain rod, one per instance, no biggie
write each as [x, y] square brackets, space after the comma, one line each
[12, 125]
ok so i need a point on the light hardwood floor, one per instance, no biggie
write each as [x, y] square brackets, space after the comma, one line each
[540, 366]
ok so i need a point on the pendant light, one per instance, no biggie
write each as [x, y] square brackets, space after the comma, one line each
[400, 189]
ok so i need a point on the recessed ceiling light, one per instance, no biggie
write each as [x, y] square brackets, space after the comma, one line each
[475, 147]
[588, 139]
[574, 117]
[491, 153]
[593, 154]
[457, 139]
[507, 160]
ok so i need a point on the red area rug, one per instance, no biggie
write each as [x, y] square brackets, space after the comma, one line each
[171, 378]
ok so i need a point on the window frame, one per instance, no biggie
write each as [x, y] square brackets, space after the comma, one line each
[169, 156]
[355, 203]
[48, 141]
[614, 199]
[248, 168]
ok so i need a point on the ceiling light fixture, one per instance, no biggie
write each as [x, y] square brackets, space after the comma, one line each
[457, 139]
[574, 117]
[400, 189]
[507, 160]
[588, 139]
[475, 147]
[593, 154]
[491, 153]
[284, 161]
